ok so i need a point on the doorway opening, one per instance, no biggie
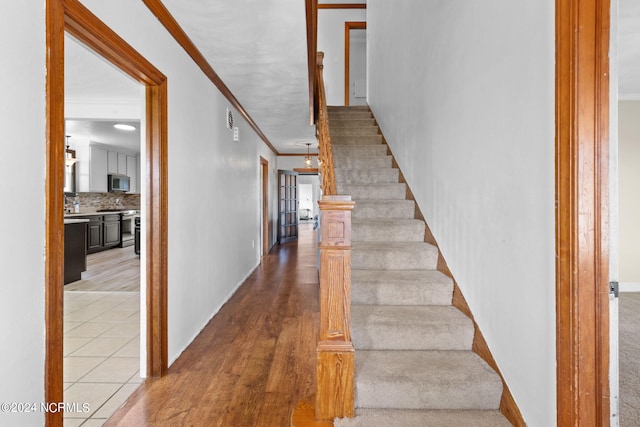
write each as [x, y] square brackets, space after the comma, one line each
[355, 63]
[73, 18]
[264, 178]
[102, 326]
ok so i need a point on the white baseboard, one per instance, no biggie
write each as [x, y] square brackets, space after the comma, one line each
[629, 286]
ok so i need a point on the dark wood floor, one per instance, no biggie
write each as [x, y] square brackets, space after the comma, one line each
[253, 362]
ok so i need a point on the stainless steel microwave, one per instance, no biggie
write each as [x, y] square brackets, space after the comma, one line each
[118, 183]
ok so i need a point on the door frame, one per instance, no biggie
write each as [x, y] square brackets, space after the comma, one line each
[264, 173]
[72, 17]
[582, 220]
[348, 26]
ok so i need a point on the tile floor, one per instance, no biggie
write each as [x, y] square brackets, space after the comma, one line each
[101, 352]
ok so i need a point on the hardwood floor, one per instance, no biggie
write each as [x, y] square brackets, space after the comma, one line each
[113, 270]
[253, 362]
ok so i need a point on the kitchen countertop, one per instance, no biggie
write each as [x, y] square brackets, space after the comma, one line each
[75, 221]
[129, 211]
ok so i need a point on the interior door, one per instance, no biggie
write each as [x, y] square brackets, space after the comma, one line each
[287, 206]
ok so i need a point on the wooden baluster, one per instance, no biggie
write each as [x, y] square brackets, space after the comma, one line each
[335, 353]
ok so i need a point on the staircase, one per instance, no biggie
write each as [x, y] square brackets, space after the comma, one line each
[414, 363]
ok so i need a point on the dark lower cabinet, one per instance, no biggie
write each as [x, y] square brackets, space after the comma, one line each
[103, 232]
[75, 254]
[94, 234]
[111, 230]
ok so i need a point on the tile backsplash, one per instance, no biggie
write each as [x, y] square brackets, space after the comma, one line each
[91, 202]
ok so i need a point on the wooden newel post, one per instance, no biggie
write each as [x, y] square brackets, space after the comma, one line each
[335, 353]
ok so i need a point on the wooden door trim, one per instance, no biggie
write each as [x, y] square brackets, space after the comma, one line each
[73, 17]
[349, 25]
[582, 137]
[342, 6]
[264, 172]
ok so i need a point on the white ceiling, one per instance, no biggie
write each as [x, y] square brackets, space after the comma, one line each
[258, 48]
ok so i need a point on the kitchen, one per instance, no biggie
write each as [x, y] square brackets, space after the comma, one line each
[102, 264]
[104, 127]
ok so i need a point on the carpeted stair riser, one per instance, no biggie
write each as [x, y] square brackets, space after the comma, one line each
[367, 176]
[394, 287]
[360, 150]
[356, 140]
[371, 209]
[394, 256]
[425, 380]
[366, 162]
[410, 328]
[352, 123]
[373, 191]
[339, 115]
[387, 230]
[422, 418]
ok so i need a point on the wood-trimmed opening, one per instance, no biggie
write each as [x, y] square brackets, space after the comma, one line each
[264, 173]
[72, 17]
[348, 26]
[582, 138]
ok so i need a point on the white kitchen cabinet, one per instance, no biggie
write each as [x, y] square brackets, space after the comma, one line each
[122, 164]
[98, 167]
[132, 173]
[112, 163]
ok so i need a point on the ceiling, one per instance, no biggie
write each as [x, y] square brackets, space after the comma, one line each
[258, 48]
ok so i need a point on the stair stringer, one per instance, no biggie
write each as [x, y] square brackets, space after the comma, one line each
[508, 405]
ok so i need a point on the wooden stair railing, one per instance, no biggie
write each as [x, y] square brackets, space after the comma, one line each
[335, 352]
[325, 156]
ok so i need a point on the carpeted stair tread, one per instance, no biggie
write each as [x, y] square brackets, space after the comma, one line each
[395, 287]
[425, 380]
[356, 140]
[362, 162]
[367, 176]
[384, 209]
[361, 131]
[389, 230]
[394, 255]
[348, 107]
[397, 191]
[420, 418]
[392, 327]
[360, 150]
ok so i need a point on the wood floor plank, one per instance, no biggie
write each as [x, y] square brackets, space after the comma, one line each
[253, 362]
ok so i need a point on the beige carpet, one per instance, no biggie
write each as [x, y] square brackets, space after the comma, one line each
[629, 359]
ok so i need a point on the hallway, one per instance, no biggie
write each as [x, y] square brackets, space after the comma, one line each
[253, 362]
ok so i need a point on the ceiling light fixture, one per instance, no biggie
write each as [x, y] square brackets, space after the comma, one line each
[69, 155]
[122, 126]
[307, 160]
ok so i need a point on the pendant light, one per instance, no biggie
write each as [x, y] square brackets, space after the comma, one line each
[307, 160]
[69, 158]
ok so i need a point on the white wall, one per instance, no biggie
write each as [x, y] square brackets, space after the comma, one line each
[331, 42]
[464, 93]
[213, 192]
[22, 116]
[214, 195]
[629, 196]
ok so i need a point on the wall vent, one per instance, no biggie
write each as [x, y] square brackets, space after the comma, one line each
[229, 119]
